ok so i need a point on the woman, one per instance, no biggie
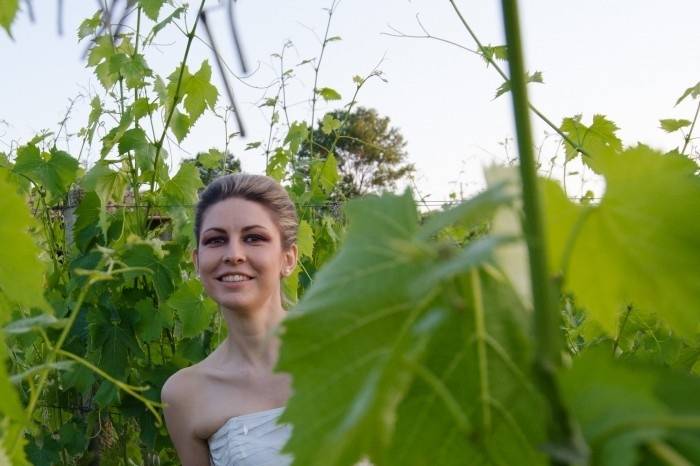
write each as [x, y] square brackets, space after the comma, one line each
[223, 410]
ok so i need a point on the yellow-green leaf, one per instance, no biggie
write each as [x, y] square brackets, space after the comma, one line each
[640, 246]
[305, 239]
[21, 271]
[8, 11]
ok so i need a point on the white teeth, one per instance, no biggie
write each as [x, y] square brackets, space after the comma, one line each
[234, 278]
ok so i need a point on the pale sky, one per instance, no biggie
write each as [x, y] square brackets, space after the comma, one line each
[627, 59]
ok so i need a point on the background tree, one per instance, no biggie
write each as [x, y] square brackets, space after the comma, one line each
[214, 163]
[370, 153]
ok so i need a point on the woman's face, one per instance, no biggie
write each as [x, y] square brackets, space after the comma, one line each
[240, 257]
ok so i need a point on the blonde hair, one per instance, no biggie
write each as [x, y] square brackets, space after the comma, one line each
[256, 188]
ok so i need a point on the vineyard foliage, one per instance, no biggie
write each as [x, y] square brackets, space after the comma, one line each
[413, 337]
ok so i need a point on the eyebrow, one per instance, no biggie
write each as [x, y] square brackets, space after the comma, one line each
[222, 230]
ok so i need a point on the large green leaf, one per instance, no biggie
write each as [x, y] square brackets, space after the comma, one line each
[372, 353]
[487, 373]
[10, 405]
[151, 321]
[194, 310]
[199, 92]
[55, 171]
[640, 246]
[21, 271]
[182, 189]
[108, 185]
[112, 340]
[158, 265]
[623, 406]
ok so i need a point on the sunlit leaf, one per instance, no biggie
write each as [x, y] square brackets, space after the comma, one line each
[329, 94]
[640, 246]
[8, 11]
[598, 140]
[21, 271]
[305, 239]
[671, 125]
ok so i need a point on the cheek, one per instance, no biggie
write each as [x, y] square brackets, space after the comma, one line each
[207, 259]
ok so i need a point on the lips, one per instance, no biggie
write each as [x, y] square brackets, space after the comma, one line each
[234, 277]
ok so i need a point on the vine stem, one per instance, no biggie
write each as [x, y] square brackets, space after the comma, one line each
[547, 320]
[176, 98]
[317, 67]
[690, 131]
[51, 358]
[503, 75]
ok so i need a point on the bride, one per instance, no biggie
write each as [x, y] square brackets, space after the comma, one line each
[223, 410]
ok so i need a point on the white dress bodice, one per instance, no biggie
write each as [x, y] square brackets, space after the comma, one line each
[253, 439]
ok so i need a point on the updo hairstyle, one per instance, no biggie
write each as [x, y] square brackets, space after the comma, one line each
[256, 188]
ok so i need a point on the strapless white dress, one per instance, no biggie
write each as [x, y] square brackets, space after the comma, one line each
[253, 439]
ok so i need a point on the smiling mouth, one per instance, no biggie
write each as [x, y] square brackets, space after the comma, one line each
[234, 278]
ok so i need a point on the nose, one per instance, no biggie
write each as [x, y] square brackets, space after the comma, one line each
[234, 253]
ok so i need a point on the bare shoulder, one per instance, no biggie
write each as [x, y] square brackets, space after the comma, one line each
[181, 407]
[179, 386]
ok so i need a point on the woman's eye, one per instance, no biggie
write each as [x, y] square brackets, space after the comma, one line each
[254, 238]
[215, 241]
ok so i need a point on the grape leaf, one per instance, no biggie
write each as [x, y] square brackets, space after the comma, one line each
[135, 140]
[211, 159]
[328, 176]
[151, 8]
[193, 310]
[89, 26]
[305, 239]
[497, 52]
[159, 27]
[329, 124]
[535, 77]
[183, 187]
[639, 246]
[277, 166]
[8, 11]
[598, 140]
[108, 185]
[163, 266]
[180, 125]
[368, 355]
[111, 340]
[671, 125]
[115, 134]
[623, 405]
[31, 324]
[55, 171]
[328, 94]
[693, 91]
[199, 92]
[507, 428]
[135, 70]
[151, 321]
[10, 405]
[21, 271]
[297, 134]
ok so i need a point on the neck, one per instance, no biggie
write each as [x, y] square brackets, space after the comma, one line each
[252, 339]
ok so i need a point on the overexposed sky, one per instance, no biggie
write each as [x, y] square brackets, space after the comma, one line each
[627, 59]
